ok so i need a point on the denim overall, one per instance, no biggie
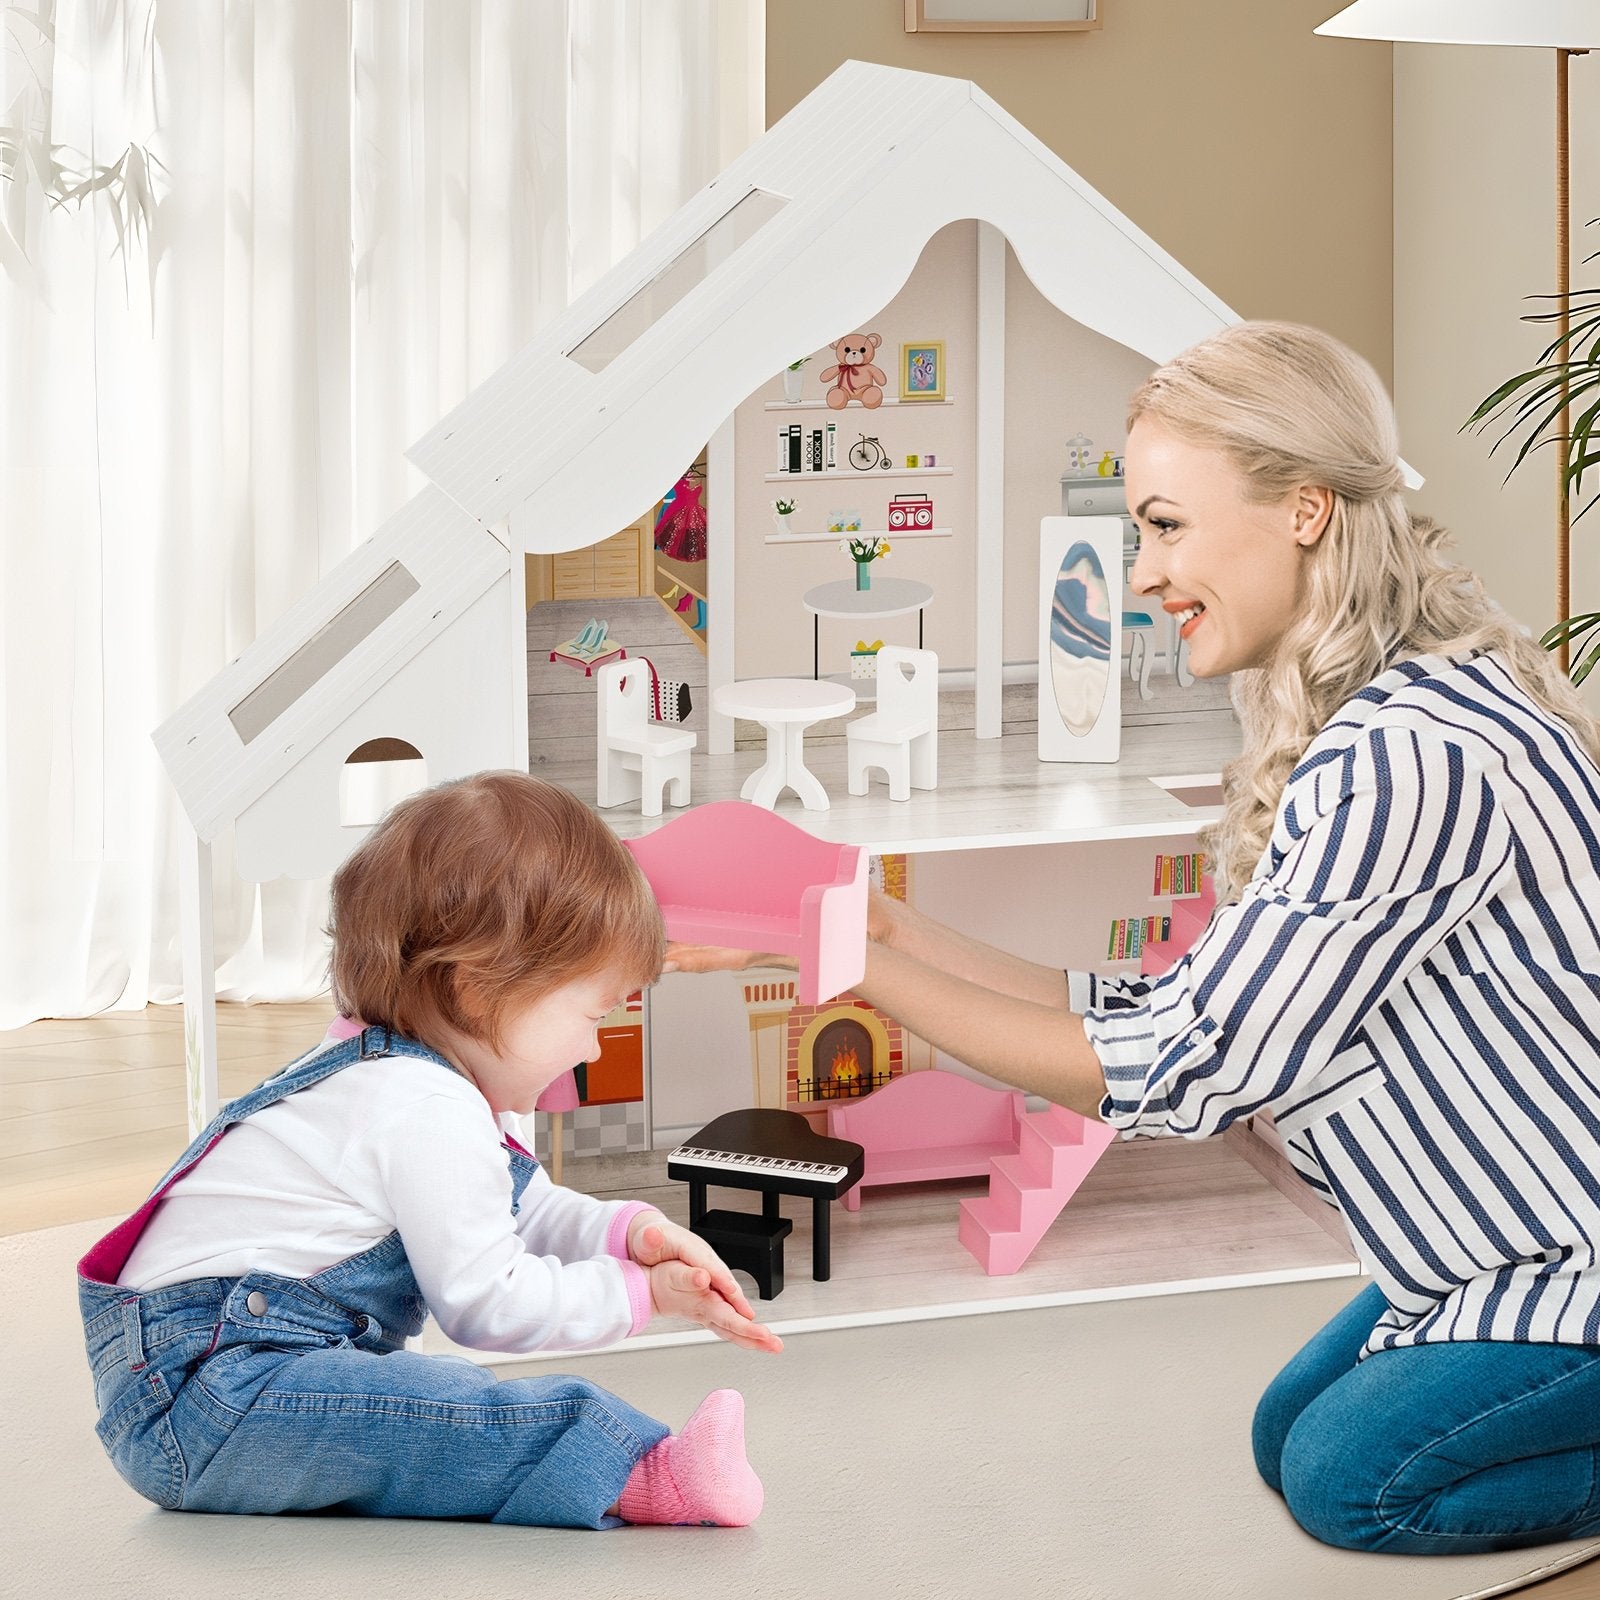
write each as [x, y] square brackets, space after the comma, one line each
[268, 1393]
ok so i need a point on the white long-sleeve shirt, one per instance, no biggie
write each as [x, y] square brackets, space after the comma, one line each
[403, 1144]
[1410, 983]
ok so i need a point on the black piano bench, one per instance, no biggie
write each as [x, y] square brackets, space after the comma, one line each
[751, 1242]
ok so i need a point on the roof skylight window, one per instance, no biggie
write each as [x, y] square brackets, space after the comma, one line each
[690, 268]
[323, 651]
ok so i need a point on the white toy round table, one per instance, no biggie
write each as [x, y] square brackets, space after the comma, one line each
[785, 707]
[888, 597]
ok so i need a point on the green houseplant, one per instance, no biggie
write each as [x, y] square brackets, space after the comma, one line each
[1564, 383]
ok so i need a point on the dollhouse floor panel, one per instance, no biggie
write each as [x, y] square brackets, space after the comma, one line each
[1153, 1217]
[991, 792]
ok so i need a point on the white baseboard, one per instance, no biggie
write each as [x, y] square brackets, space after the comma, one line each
[1010, 672]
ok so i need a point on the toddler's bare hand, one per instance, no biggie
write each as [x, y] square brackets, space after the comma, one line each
[678, 1289]
[652, 1240]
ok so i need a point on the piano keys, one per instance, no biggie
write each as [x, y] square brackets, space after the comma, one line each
[688, 1155]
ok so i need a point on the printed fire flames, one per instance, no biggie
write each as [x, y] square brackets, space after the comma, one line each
[845, 1069]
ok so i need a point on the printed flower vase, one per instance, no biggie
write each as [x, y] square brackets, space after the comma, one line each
[863, 574]
[793, 381]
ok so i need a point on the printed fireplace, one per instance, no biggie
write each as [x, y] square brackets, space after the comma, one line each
[805, 1057]
[841, 1061]
[840, 1052]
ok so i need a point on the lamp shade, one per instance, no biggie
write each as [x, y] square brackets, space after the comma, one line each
[1554, 24]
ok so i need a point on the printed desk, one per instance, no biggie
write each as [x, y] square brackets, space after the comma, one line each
[888, 597]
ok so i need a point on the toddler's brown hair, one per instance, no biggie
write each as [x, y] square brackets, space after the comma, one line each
[480, 893]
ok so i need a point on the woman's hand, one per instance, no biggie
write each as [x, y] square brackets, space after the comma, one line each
[715, 958]
[680, 1290]
[884, 917]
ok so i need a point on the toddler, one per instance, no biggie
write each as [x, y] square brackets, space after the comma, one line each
[246, 1327]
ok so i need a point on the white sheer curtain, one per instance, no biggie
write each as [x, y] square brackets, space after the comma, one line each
[356, 210]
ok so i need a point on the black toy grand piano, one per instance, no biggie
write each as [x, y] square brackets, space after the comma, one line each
[776, 1153]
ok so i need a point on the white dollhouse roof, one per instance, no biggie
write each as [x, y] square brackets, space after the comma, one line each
[813, 229]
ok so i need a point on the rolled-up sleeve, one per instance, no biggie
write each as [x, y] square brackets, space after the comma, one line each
[1381, 849]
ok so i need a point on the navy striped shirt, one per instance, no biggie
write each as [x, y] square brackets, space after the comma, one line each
[1410, 984]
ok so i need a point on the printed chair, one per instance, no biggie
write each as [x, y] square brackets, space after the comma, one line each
[902, 736]
[1139, 628]
[636, 758]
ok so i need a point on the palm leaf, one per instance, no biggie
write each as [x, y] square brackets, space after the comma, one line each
[1569, 628]
[1586, 665]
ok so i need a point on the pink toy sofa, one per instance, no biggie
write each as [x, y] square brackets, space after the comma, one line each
[925, 1125]
[736, 874]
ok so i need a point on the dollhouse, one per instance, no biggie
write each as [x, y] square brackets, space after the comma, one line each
[406, 663]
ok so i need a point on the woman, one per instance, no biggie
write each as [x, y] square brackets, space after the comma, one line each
[1402, 966]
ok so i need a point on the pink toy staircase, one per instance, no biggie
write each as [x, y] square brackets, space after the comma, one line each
[1027, 1190]
[1057, 1147]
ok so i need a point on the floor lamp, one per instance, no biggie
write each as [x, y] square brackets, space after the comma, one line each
[1569, 28]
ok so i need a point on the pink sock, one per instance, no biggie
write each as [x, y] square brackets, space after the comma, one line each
[699, 1476]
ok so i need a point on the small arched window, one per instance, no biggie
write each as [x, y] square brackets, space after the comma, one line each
[375, 776]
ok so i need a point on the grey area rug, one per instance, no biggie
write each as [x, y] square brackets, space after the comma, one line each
[1088, 1452]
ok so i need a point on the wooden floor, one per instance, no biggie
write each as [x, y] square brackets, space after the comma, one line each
[91, 1113]
[92, 1109]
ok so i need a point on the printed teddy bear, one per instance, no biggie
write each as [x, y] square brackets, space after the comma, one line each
[855, 377]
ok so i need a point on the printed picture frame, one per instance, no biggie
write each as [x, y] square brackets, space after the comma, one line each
[922, 370]
[1001, 16]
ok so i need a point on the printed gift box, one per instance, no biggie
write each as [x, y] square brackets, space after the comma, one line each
[864, 659]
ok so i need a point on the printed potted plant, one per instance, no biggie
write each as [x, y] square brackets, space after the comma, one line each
[864, 552]
[793, 378]
[782, 511]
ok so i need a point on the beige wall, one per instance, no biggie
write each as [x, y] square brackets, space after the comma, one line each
[1258, 155]
[1474, 235]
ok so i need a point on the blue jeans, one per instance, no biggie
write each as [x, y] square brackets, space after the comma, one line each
[1434, 1449]
[304, 1405]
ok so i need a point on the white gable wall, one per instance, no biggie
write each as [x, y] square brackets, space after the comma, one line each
[524, 427]
[217, 773]
[453, 701]
[1103, 273]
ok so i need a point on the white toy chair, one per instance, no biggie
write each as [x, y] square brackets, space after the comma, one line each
[636, 758]
[902, 735]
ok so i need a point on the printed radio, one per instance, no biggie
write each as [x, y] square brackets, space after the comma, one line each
[910, 511]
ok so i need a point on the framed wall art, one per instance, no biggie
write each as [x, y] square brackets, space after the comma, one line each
[1001, 16]
[922, 370]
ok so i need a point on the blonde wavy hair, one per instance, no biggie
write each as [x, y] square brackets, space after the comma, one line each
[1288, 405]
